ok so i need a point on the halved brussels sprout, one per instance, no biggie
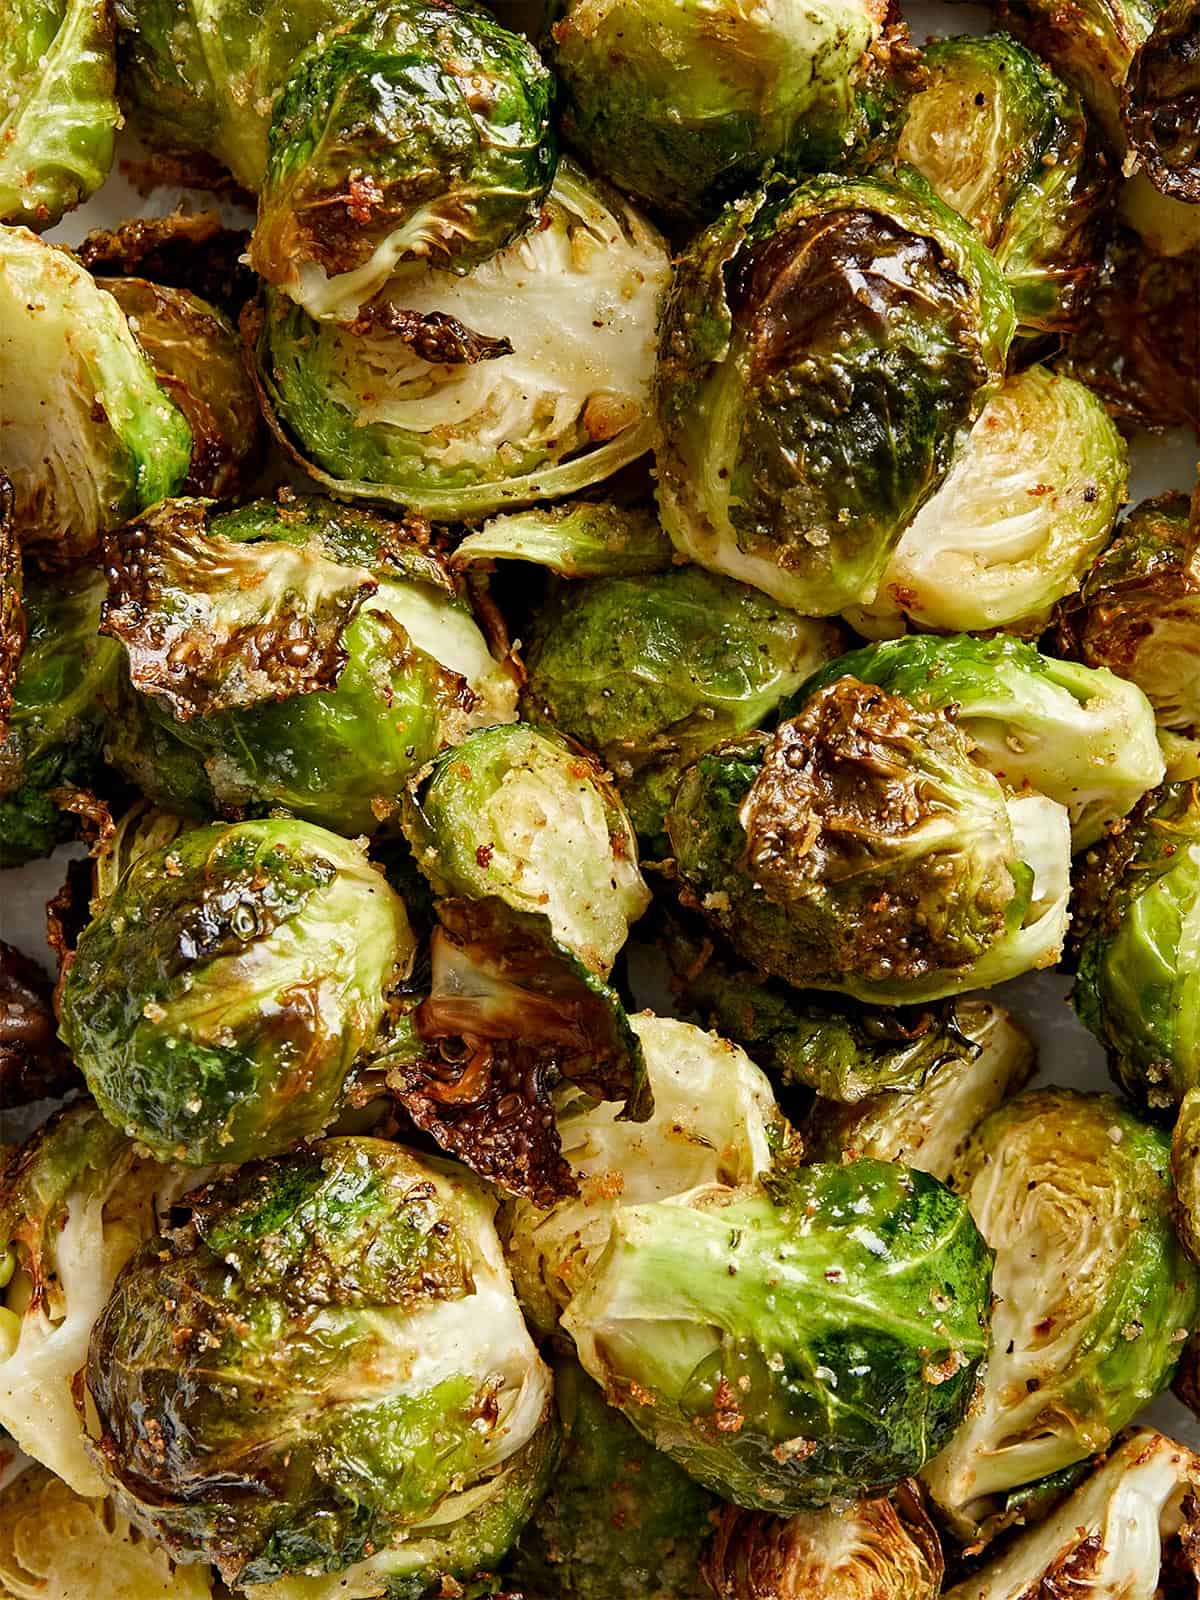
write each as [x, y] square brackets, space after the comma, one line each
[58, 106]
[883, 1549]
[526, 379]
[683, 105]
[1026, 508]
[1094, 1296]
[296, 653]
[419, 133]
[87, 436]
[1006, 144]
[1081, 735]
[790, 1347]
[824, 351]
[524, 815]
[715, 1122]
[219, 997]
[1113, 1539]
[321, 1358]
[651, 671]
[585, 539]
[860, 849]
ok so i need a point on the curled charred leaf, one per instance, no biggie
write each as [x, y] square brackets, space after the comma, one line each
[510, 1015]
[683, 105]
[1081, 735]
[221, 995]
[585, 539]
[860, 849]
[58, 107]
[824, 350]
[420, 133]
[1006, 144]
[885, 1549]
[33, 1065]
[1028, 505]
[1160, 102]
[320, 1359]
[927, 1124]
[578, 299]
[189, 250]
[1117, 1534]
[87, 436]
[1094, 1295]
[813, 1340]
[526, 816]
[714, 1123]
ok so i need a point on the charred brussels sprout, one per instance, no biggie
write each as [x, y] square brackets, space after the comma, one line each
[683, 105]
[219, 998]
[87, 436]
[1006, 144]
[1094, 1296]
[522, 815]
[651, 671]
[824, 351]
[789, 1347]
[33, 1064]
[419, 133]
[58, 107]
[860, 849]
[1025, 510]
[526, 379]
[322, 1359]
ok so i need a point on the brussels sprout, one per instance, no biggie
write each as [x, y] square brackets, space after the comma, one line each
[87, 436]
[1081, 735]
[1133, 909]
[56, 1545]
[523, 815]
[219, 998]
[58, 107]
[322, 1358]
[1027, 507]
[788, 1347]
[715, 1122]
[75, 1202]
[825, 349]
[1007, 145]
[419, 133]
[582, 540]
[33, 1064]
[1112, 1538]
[870, 1550]
[56, 723]
[1170, 227]
[526, 379]
[650, 672]
[1185, 1169]
[293, 653]
[199, 77]
[1094, 1296]
[683, 105]
[860, 849]
[620, 1519]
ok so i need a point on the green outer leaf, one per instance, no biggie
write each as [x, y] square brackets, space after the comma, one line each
[584, 539]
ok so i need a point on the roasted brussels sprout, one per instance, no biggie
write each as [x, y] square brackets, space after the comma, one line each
[33, 1064]
[1081, 735]
[651, 671]
[814, 1340]
[584, 539]
[320, 1359]
[825, 349]
[1025, 510]
[87, 436]
[1006, 144]
[1185, 1169]
[683, 105]
[715, 1122]
[1094, 1297]
[523, 815]
[884, 1549]
[420, 133]
[525, 379]
[860, 849]
[294, 653]
[58, 106]
[220, 996]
